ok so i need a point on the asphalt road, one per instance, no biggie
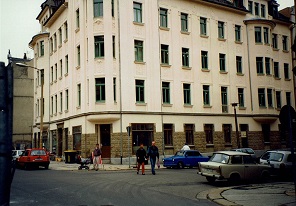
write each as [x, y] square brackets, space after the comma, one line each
[126, 188]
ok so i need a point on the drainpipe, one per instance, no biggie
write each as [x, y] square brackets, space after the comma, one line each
[120, 91]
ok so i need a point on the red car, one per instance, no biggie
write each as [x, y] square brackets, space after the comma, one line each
[33, 158]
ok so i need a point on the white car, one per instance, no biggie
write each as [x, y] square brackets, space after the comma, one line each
[233, 166]
[16, 154]
[279, 160]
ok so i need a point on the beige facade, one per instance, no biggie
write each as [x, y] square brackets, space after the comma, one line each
[169, 69]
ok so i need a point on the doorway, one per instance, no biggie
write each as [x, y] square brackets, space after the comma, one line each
[244, 128]
[105, 140]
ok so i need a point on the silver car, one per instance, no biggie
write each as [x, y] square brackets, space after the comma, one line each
[233, 166]
[16, 154]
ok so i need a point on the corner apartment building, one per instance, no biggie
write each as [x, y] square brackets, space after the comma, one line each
[169, 70]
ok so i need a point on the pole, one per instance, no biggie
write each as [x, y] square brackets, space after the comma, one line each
[6, 123]
[236, 126]
[42, 110]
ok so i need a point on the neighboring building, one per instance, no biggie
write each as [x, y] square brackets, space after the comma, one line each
[23, 99]
[168, 69]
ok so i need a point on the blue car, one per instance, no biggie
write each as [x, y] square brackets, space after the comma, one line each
[184, 158]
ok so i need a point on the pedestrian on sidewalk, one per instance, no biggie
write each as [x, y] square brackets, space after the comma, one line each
[96, 156]
[152, 155]
[141, 156]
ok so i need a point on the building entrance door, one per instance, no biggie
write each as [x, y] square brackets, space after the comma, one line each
[105, 140]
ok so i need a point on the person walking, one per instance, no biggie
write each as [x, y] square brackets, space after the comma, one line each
[141, 156]
[96, 156]
[152, 155]
[185, 147]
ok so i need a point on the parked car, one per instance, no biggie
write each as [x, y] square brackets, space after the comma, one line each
[16, 154]
[279, 160]
[184, 158]
[33, 158]
[246, 150]
[233, 166]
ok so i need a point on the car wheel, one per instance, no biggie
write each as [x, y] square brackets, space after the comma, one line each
[26, 166]
[265, 176]
[234, 178]
[211, 179]
[180, 165]
[46, 167]
[79, 168]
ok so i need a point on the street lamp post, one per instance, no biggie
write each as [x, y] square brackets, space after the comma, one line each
[236, 126]
[42, 106]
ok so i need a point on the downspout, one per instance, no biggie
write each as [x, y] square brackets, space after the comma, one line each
[249, 67]
[160, 77]
[119, 75]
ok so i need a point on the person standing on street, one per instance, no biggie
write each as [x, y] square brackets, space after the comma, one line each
[152, 155]
[96, 156]
[141, 156]
[185, 147]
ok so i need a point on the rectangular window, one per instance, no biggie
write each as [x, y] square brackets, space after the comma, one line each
[137, 12]
[186, 94]
[140, 91]
[168, 134]
[258, 38]
[250, 6]
[259, 65]
[239, 65]
[51, 44]
[99, 46]
[166, 93]
[261, 97]
[52, 105]
[263, 11]
[100, 90]
[222, 62]
[224, 99]
[164, 54]
[267, 66]
[285, 43]
[51, 72]
[276, 70]
[209, 131]
[204, 60]
[278, 100]
[220, 30]
[61, 68]
[241, 97]
[66, 30]
[79, 95]
[41, 48]
[112, 8]
[56, 103]
[98, 8]
[288, 98]
[269, 98]
[67, 99]
[203, 26]
[67, 64]
[274, 41]
[55, 41]
[185, 57]
[266, 35]
[256, 9]
[139, 51]
[56, 71]
[189, 133]
[184, 22]
[163, 17]
[78, 55]
[61, 101]
[286, 71]
[77, 19]
[206, 95]
[113, 46]
[60, 36]
[114, 89]
[227, 132]
[237, 33]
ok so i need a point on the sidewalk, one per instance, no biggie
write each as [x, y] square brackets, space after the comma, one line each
[269, 194]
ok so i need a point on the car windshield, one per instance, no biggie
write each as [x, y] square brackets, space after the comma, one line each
[274, 156]
[38, 152]
[250, 151]
[220, 158]
[179, 153]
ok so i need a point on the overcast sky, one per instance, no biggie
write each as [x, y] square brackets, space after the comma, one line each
[18, 25]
